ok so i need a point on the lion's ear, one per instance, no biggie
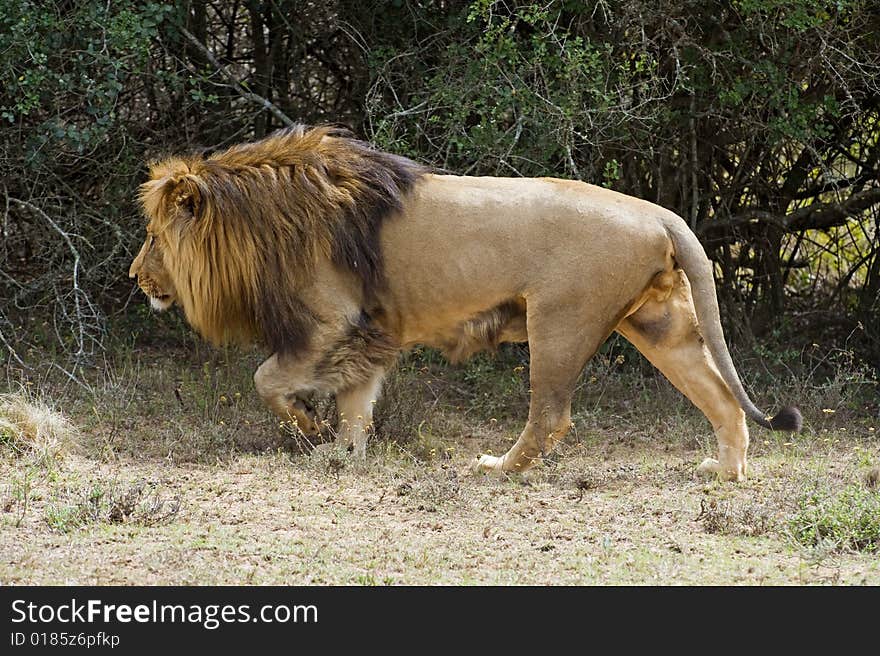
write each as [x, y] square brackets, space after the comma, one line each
[173, 191]
[186, 197]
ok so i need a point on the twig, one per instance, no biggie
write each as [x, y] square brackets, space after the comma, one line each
[11, 350]
[76, 290]
[695, 202]
[238, 86]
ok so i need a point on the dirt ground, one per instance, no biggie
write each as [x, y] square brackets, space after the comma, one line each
[178, 476]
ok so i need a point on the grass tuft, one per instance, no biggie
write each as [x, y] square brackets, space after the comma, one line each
[30, 428]
[736, 518]
[138, 504]
[848, 521]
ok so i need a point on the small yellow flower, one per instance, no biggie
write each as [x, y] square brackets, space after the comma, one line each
[828, 411]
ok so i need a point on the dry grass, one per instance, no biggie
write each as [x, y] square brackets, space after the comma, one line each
[182, 477]
[738, 518]
[30, 428]
[139, 503]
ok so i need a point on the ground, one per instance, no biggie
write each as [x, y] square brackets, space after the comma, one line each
[175, 474]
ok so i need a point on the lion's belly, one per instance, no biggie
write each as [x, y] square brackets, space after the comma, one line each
[447, 307]
[459, 338]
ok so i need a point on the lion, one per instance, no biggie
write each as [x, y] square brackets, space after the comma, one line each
[337, 256]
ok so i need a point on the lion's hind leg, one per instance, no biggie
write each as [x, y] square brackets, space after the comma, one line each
[666, 332]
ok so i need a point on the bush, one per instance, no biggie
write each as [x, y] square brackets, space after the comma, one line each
[756, 120]
[847, 521]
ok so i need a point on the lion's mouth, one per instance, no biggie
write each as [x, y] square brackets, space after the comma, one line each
[161, 302]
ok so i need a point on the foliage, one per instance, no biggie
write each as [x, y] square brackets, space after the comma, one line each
[848, 521]
[70, 112]
[756, 120]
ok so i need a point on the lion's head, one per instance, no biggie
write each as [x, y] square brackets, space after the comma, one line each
[231, 237]
[152, 276]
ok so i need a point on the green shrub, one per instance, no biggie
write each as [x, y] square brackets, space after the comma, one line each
[847, 521]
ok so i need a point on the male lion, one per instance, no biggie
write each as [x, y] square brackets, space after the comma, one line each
[337, 256]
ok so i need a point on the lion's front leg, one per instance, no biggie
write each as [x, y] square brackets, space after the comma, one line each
[355, 406]
[281, 386]
[350, 363]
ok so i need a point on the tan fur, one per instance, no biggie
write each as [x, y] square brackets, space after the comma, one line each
[485, 331]
[336, 256]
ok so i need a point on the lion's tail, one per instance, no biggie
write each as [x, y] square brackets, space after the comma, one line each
[692, 258]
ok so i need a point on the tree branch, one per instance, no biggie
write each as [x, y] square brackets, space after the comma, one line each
[834, 185]
[817, 216]
[238, 86]
[827, 215]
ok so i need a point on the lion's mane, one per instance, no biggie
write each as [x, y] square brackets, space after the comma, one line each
[241, 230]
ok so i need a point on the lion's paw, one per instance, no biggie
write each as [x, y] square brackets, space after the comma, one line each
[341, 450]
[304, 417]
[708, 468]
[485, 464]
[711, 468]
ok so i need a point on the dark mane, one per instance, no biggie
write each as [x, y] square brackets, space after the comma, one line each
[373, 180]
[255, 218]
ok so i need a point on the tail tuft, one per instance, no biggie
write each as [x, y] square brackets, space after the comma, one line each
[787, 419]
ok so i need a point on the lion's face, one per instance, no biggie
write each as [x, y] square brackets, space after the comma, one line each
[152, 276]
